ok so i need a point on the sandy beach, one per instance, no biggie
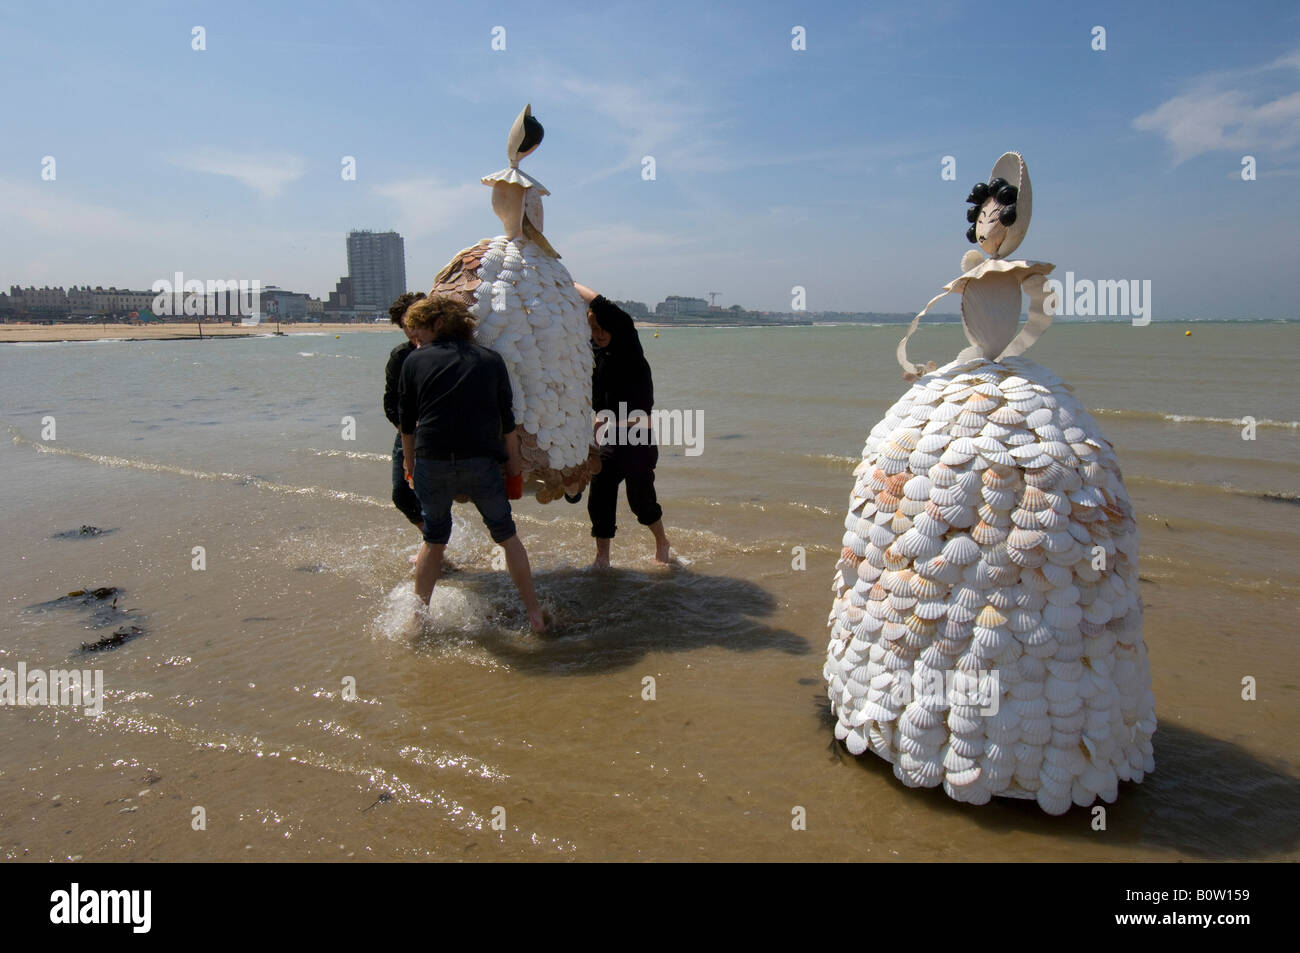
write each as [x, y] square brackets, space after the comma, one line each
[229, 693]
[33, 333]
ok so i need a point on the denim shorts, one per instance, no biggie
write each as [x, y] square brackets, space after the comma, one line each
[439, 482]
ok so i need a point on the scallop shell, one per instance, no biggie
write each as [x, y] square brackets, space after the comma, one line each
[942, 475]
[933, 442]
[999, 499]
[917, 488]
[961, 550]
[953, 456]
[986, 534]
[996, 453]
[999, 478]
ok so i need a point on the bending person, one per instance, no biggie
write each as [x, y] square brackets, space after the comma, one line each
[621, 376]
[403, 496]
[458, 427]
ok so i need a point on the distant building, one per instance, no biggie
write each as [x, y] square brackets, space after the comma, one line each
[85, 301]
[376, 269]
[39, 303]
[278, 304]
[676, 305]
[338, 307]
[635, 308]
[78, 302]
[221, 299]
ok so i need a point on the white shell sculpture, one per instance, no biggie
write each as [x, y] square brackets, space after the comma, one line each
[986, 632]
[529, 312]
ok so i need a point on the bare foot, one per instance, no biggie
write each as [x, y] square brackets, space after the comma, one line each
[540, 621]
[661, 552]
[600, 562]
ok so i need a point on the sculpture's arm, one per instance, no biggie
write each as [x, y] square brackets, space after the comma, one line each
[1040, 316]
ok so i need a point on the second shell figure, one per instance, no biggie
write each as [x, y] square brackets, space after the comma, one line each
[530, 314]
[986, 632]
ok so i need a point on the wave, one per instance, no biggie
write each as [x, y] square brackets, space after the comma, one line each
[1272, 496]
[1193, 418]
[352, 455]
[57, 343]
[831, 458]
[243, 479]
[695, 544]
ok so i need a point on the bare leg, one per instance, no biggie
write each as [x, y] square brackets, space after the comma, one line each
[602, 553]
[661, 541]
[428, 567]
[522, 574]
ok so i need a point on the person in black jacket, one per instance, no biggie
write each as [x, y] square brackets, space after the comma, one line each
[403, 496]
[458, 431]
[621, 376]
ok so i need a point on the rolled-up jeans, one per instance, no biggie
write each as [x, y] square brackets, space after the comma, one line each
[439, 482]
[404, 497]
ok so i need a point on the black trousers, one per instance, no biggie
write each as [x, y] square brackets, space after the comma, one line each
[403, 496]
[618, 464]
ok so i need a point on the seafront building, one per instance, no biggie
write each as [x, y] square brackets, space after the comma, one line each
[680, 306]
[376, 276]
[376, 267]
[687, 311]
[45, 305]
[56, 304]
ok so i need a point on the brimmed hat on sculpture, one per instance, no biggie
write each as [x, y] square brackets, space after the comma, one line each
[986, 631]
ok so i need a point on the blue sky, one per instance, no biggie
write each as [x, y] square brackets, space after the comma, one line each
[774, 167]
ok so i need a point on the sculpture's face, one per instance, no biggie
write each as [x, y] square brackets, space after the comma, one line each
[599, 336]
[989, 232]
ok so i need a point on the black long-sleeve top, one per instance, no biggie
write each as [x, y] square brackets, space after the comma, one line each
[392, 376]
[455, 396]
[621, 372]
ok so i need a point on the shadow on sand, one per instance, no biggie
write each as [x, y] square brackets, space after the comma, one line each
[1208, 798]
[606, 621]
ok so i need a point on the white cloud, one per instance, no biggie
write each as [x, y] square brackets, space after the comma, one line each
[265, 174]
[1230, 111]
[50, 209]
[425, 206]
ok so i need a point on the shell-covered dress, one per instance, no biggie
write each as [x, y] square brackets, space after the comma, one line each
[529, 312]
[986, 632]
